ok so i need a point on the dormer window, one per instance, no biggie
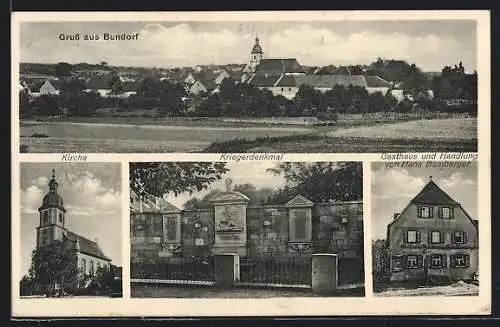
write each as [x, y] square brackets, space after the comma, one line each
[425, 212]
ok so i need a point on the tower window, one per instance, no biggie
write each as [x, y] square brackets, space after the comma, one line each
[45, 217]
[60, 217]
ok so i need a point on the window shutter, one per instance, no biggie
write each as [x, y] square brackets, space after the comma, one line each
[452, 213]
[419, 237]
[429, 237]
[420, 261]
[467, 260]
[404, 262]
[464, 236]
[440, 212]
[442, 235]
[405, 236]
[444, 260]
[431, 212]
[419, 211]
[452, 261]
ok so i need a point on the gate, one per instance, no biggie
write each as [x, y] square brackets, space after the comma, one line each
[286, 271]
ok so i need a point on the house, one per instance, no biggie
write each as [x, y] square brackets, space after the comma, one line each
[99, 84]
[288, 85]
[44, 87]
[432, 236]
[88, 255]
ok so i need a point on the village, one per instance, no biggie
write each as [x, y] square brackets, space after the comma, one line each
[262, 104]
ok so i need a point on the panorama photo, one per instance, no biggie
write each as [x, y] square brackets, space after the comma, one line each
[243, 86]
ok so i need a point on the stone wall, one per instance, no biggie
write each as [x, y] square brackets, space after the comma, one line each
[335, 228]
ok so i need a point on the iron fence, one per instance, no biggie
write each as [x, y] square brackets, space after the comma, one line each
[276, 270]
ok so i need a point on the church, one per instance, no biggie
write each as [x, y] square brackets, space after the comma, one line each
[52, 227]
[284, 76]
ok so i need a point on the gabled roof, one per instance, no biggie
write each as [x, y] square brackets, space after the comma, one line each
[278, 66]
[287, 81]
[229, 196]
[329, 81]
[150, 205]
[432, 194]
[98, 83]
[86, 246]
[299, 201]
[264, 81]
[377, 81]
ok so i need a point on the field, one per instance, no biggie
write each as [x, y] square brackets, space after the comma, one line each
[132, 138]
[215, 136]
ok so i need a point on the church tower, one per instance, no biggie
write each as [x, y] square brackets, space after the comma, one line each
[52, 216]
[256, 55]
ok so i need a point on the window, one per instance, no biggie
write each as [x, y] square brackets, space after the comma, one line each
[98, 266]
[289, 89]
[45, 217]
[459, 237]
[411, 262]
[411, 236]
[139, 231]
[60, 217]
[446, 213]
[460, 261]
[91, 267]
[435, 237]
[425, 212]
[45, 238]
[282, 89]
[84, 266]
[438, 261]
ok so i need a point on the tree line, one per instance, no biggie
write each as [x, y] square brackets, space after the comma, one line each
[244, 100]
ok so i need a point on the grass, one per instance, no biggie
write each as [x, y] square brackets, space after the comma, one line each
[437, 135]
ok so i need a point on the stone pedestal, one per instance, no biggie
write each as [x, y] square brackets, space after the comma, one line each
[324, 273]
[227, 270]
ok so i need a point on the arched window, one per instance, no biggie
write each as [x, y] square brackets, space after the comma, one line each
[91, 267]
[83, 266]
[60, 217]
[45, 238]
[45, 217]
[98, 266]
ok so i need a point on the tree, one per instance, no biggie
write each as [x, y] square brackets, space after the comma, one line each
[203, 203]
[47, 105]
[380, 257]
[160, 178]
[52, 265]
[323, 181]
[63, 69]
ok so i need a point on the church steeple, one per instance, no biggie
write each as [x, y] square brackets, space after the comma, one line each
[256, 55]
[53, 184]
[52, 215]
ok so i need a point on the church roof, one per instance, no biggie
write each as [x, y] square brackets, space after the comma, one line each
[377, 81]
[264, 81]
[329, 81]
[432, 194]
[86, 246]
[52, 200]
[279, 66]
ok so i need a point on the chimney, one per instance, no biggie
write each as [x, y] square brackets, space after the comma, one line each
[396, 215]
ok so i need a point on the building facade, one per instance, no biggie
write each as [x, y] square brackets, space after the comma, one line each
[53, 217]
[160, 231]
[433, 236]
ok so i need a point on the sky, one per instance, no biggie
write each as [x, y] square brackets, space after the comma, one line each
[393, 188]
[92, 197]
[429, 44]
[240, 173]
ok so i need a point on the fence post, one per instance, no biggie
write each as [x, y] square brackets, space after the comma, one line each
[227, 270]
[324, 273]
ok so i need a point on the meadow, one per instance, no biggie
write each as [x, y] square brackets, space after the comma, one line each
[216, 136]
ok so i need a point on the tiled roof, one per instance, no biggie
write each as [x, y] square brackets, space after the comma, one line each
[87, 246]
[264, 81]
[287, 81]
[278, 66]
[377, 81]
[432, 194]
[98, 83]
[329, 81]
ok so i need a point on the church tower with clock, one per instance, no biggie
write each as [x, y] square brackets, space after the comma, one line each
[52, 216]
